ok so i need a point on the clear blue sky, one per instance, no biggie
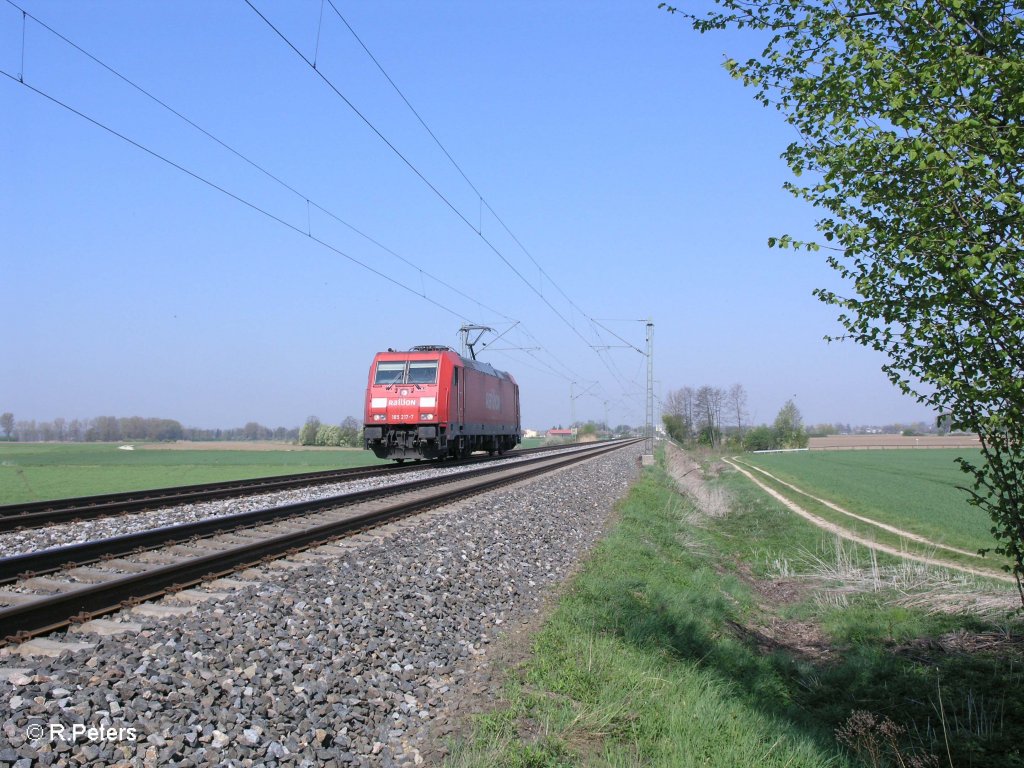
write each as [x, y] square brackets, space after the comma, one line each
[641, 179]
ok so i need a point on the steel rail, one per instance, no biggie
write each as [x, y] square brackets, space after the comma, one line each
[39, 513]
[72, 555]
[55, 611]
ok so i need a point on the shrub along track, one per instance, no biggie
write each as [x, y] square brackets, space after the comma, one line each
[237, 542]
[844, 533]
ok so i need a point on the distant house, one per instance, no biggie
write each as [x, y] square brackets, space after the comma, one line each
[531, 433]
[561, 432]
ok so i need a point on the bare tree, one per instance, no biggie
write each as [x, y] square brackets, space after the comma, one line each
[679, 403]
[27, 431]
[255, 431]
[7, 424]
[707, 404]
[672, 414]
[736, 402]
[104, 429]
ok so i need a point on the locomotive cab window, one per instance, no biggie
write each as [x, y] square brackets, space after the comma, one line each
[389, 372]
[423, 372]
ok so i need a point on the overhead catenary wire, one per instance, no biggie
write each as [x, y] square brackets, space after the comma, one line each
[455, 164]
[225, 191]
[613, 333]
[361, 116]
[407, 102]
[307, 230]
[607, 361]
[252, 163]
[419, 173]
[248, 203]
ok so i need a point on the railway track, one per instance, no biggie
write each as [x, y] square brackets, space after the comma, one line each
[95, 578]
[40, 513]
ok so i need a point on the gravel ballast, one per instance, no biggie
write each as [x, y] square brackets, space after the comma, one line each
[64, 534]
[361, 653]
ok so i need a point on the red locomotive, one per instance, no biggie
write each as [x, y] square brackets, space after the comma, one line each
[432, 403]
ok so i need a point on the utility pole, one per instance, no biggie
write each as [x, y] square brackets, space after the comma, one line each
[572, 405]
[650, 388]
[573, 397]
[648, 457]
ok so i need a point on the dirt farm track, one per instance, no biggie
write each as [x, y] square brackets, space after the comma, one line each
[866, 442]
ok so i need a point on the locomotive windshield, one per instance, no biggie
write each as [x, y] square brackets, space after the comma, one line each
[406, 372]
[423, 372]
[390, 372]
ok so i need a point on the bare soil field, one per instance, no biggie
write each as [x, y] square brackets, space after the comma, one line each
[865, 442]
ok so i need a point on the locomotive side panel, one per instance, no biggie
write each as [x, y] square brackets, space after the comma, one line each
[490, 403]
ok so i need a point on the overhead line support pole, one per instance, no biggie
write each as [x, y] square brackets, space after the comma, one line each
[649, 431]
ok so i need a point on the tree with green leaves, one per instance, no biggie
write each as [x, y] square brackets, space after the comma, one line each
[307, 435]
[328, 434]
[7, 424]
[761, 438]
[789, 427]
[675, 427]
[910, 117]
[351, 432]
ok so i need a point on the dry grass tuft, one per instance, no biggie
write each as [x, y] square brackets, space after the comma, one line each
[712, 501]
[843, 569]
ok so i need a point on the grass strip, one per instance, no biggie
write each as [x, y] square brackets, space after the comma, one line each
[671, 647]
[638, 665]
[33, 472]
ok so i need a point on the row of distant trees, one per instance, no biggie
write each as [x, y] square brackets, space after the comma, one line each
[599, 429]
[718, 417]
[706, 415]
[897, 428]
[108, 429]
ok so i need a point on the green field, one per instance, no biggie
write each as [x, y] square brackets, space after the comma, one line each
[915, 490]
[678, 644]
[35, 471]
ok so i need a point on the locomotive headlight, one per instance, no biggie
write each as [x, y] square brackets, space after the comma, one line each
[380, 417]
[428, 417]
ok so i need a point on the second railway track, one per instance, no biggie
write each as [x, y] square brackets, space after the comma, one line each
[37, 514]
[126, 568]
